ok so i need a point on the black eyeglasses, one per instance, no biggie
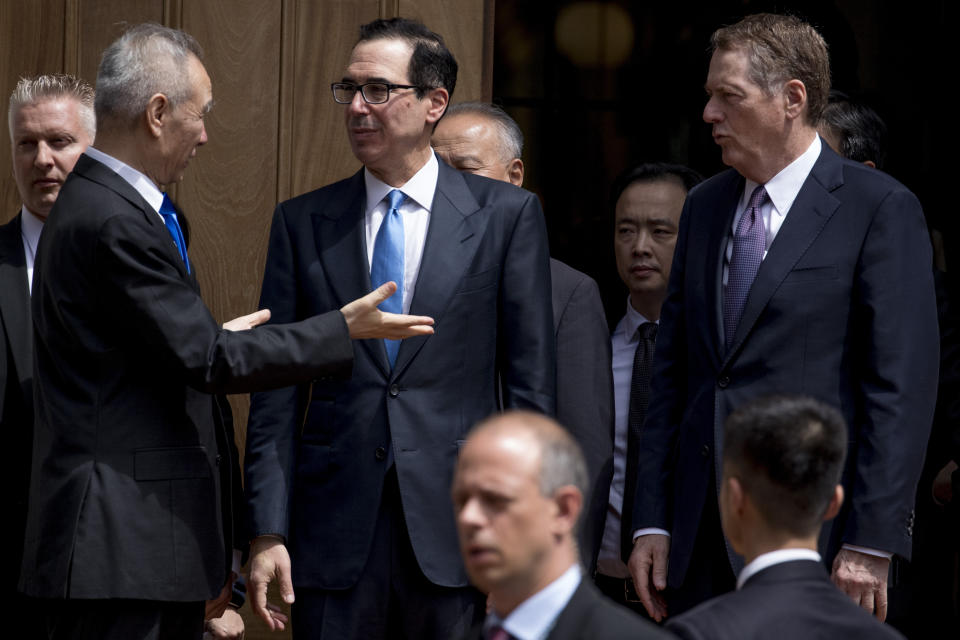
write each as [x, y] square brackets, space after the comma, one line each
[372, 92]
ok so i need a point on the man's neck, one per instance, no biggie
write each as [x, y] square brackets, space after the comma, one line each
[509, 597]
[761, 544]
[124, 148]
[398, 174]
[798, 141]
[647, 305]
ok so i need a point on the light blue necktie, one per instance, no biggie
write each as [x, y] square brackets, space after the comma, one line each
[169, 214]
[388, 262]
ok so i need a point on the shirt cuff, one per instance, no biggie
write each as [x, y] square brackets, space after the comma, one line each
[868, 551]
[648, 531]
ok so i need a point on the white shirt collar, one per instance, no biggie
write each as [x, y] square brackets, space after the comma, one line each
[765, 560]
[144, 185]
[632, 321]
[31, 227]
[534, 617]
[784, 187]
[420, 188]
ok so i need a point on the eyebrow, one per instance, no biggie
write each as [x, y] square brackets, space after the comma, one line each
[377, 79]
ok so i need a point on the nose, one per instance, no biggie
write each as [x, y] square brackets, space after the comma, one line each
[203, 134]
[44, 157]
[358, 105]
[644, 243]
[711, 113]
[470, 514]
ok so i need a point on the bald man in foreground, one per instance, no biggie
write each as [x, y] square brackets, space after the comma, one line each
[517, 493]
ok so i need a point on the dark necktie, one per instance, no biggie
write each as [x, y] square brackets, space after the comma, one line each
[169, 214]
[387, 262]
[637, 413]
[749, 242]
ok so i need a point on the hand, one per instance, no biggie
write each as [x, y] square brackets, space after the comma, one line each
[648, 563]
[216, 607]
[229, 626]
[248, 321]
[863, 577]
[269, 560]
[942, 485]
[365, 320]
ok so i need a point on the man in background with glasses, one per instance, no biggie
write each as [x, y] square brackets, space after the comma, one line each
[348, 482]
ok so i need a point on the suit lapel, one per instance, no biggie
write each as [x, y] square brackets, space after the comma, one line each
[104, 175]
[810, 212]
[15, 300]
[716, 251]
[452, 239]
[338, 230]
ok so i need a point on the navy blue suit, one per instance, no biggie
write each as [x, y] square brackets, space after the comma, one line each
[318, 456]
[842, 309]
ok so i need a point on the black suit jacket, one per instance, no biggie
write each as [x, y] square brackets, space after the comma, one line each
[484, 278]
[585, 391]
[787, 601]
[16, 387]
[591, 616]
[126, 497]
[842, 309]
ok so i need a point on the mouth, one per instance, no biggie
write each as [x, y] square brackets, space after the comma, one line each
[481, 555]
[643, 270]
[46, 183]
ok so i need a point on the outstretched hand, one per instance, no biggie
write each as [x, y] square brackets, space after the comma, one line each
[365, 320]
[248, 321]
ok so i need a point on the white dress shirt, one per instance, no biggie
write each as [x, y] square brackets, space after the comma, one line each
[771, 558]
[534, 618]
[143, 185]
[782, 190]
[30, 228]
[624, 343]
[415, 212]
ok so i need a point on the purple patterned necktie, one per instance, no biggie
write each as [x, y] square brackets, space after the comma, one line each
[749, 242]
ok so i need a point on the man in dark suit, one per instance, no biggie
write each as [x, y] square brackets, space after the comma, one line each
[51, 123]
[782, 461]
[130, 481]
[353, 476]
[796, 271]
[647, 204]
[483, 139]
[518, 491]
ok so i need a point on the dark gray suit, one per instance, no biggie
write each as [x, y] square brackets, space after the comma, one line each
[788, 601]
[16, 387]
[130, 448]
[585, 391]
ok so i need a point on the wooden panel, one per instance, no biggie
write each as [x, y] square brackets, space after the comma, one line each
[325, 35]
[32, 35]
[462, 26]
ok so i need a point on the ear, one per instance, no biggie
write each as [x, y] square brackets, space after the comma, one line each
[515, 171]
[795, 95]
[870, 163]
[835, 503]
[569, 502]
[732, 506]
[438, 99]
[157, 113]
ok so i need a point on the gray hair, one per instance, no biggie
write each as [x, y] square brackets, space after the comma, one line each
[511, 137]
[146, 60]
[52, 87]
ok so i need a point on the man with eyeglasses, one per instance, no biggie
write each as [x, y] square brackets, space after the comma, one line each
[348, 482]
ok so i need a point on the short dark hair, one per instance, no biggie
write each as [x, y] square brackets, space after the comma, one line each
[653, 172]
[787, 452]
[860, 131]
[781, 48]
[431, 64]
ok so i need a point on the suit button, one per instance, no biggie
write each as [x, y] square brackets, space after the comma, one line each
[394, 390]
[705, 450]
[380, 453]
[218, 460]
[723, 382]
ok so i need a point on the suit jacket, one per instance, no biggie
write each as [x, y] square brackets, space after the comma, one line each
[589, 615]
[842, 309]
[788, 601]
[484, 278]
[585, 391]
[16, 391]
[130, 445]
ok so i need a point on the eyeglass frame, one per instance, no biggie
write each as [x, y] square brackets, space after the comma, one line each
[360, 87]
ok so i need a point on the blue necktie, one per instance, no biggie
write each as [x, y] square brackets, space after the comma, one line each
[388, 262]
[749, 242]
[169, 214]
